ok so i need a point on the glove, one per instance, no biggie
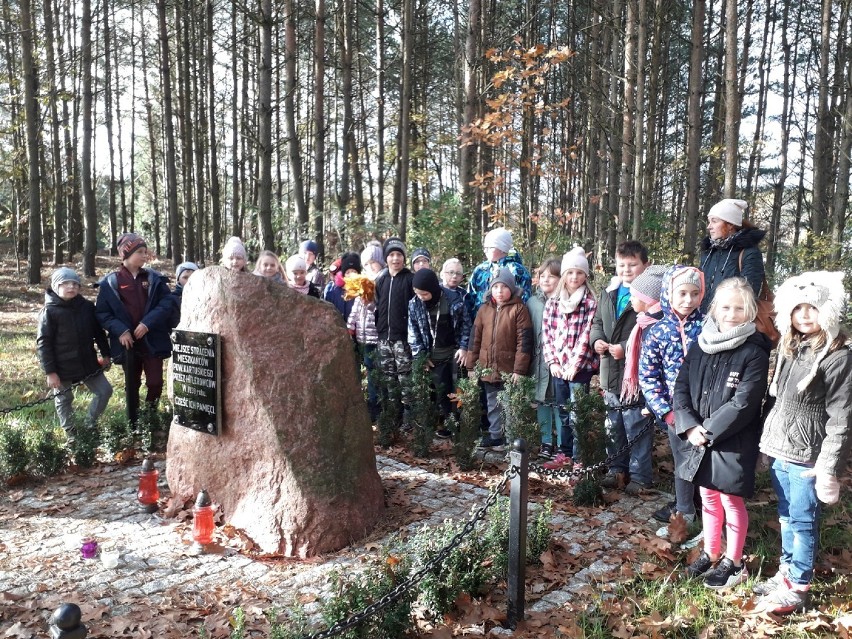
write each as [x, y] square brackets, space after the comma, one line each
[827, 486]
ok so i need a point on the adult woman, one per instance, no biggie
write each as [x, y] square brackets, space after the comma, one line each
[730, 249]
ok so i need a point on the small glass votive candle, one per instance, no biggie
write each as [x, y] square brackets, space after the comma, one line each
[89, 549]
[110, 558]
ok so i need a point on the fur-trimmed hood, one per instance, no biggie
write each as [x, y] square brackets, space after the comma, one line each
[743, 239]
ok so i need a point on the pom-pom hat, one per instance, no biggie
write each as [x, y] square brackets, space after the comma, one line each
[234, 247]
[575, 258]
[729, 210]
[825, 292]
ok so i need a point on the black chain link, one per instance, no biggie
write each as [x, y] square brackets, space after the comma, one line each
[562, 473]
[394, 595]
[50, 397]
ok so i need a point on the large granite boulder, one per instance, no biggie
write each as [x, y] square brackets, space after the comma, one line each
[294, 467]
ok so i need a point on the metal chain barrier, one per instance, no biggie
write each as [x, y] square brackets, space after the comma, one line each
[51, 396]
[394, 595]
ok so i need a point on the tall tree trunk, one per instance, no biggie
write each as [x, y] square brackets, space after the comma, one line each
[31, 109]
[183, 19]
[404, 144]
[213, 144]
[640, 125]
[57, 193]
[693, 147]
[732, 100]
[764, 66]
[264, 95]
[349, 140]
[468, 153]
[380, 109]
[168, 127]
[90, 213]
[823, 135]
[319, 130]
[236, 163]
[152, 139]
[841, 194]
[291, 51]
[108, 46]
[628, 105]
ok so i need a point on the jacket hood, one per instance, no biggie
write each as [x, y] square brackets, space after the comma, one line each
[759, 339]
[52, 299]
[666, 293]
[745, 238]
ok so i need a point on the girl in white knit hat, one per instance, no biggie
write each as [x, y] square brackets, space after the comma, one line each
[807, 432]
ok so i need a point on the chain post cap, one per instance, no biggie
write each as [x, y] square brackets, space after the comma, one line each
[520, 445]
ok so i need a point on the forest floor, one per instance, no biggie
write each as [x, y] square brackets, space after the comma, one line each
[605, 575]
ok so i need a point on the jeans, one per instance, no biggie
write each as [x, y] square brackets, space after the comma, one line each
[565, 393]
[684, 490]
[798, 512]
[495, 411]
[101, 390]
[548, 421]
[624, 425]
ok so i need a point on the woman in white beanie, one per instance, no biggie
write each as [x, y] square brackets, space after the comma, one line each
[807, 432]
[730, 248]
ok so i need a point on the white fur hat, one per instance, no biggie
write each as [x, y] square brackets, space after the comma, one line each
[729, 210]
[500, 239]
[575, 258]
[825, 292]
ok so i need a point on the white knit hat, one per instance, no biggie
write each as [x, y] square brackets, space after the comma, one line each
[575, 258]
[295, 263]
[729, 210]
[501, 239]
[825, 292]
[234, 247]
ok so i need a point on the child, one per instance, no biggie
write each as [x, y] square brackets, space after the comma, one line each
[135, 307]
[420, 258]
[297, 278]
[182, 274]
[393, 292]
[438, 327]
[807, 430]
[350, 264]
[613, 322]
[234, 255]
[67, 330]
[362, 327]
[308, 250]
[372, 259]
[497, 246]
[452, 274]
[501, 341]
[663, 348]
[567, 325]
[717, 405]
[546, 414]
[269, 266]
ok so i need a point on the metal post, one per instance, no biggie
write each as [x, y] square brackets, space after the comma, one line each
[65, 623]
[519, 458]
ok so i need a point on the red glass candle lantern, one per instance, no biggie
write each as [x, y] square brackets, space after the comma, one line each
[202, 523]
[149, 493]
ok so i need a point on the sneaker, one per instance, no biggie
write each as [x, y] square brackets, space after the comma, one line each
[443, 433]
[665, 513]
[546, 451]
[560, 461]
[614, 479]
[763, 588]
[783, 600]
[496, 445]
[700, 566]
[636, 488]
[726, 575]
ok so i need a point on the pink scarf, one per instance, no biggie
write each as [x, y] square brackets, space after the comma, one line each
[302, 289]
[630, 384]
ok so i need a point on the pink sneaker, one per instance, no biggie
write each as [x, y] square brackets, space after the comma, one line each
[560, 461]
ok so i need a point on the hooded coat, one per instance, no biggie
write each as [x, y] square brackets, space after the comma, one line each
[479, 284]
[502, 339]
[67, 333]
[720, 263]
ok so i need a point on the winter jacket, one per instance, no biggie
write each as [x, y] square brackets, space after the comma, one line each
[362, 322]
[157, 317]
[313, 290]
[606, 327]
[566, 338]
[419, 331]
[502, 339]
[479, 289]
[664, 345]
[718, 264]
[314, 276]
[67, 332]
[393, 292]
[812, 427]
[334, 294]
[723, 392]
[540, 368]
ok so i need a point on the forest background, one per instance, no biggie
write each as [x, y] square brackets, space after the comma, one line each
[188, 121]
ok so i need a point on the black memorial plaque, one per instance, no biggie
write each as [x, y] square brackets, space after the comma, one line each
[196, 373]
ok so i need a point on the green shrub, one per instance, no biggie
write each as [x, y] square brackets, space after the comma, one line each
[589, 427]
[466, 426]
[588, 492]
[516, 402]
[423, 415]
[539, 533]
[47, 450]
[116, 433]
[14, 455]
[84, 445]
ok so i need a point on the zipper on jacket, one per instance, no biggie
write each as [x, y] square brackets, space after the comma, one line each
[390, 295]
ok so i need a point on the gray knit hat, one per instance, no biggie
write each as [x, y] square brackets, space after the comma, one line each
[504, 276]
[648, 285]
[63, 274]
[184, 266]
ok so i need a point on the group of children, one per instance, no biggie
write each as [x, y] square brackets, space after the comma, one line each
[660, 362]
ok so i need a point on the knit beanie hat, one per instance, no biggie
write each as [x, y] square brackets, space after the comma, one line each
[501, 239]
[309, 245]
[649, 284]
[427, 280]
[687, 275]
[420, 253]
[731, 211]
[393, 244]
[234, 247]
[295, 263]
[184, 266]
[373, 253]
[350, 261]
[128, 244]
[63, 274]
[503, 276]
[825, 292]
[575, 258]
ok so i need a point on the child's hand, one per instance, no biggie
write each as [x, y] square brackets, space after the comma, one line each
[461, 355]
[515, 378]
[827, 486]
[140, 331]
[556, 371]
[126, 340]
[53, 380]
[429, 364]
[104, 363]
[616, 351]
[601, 347]
[697, 435]
[669, 419]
